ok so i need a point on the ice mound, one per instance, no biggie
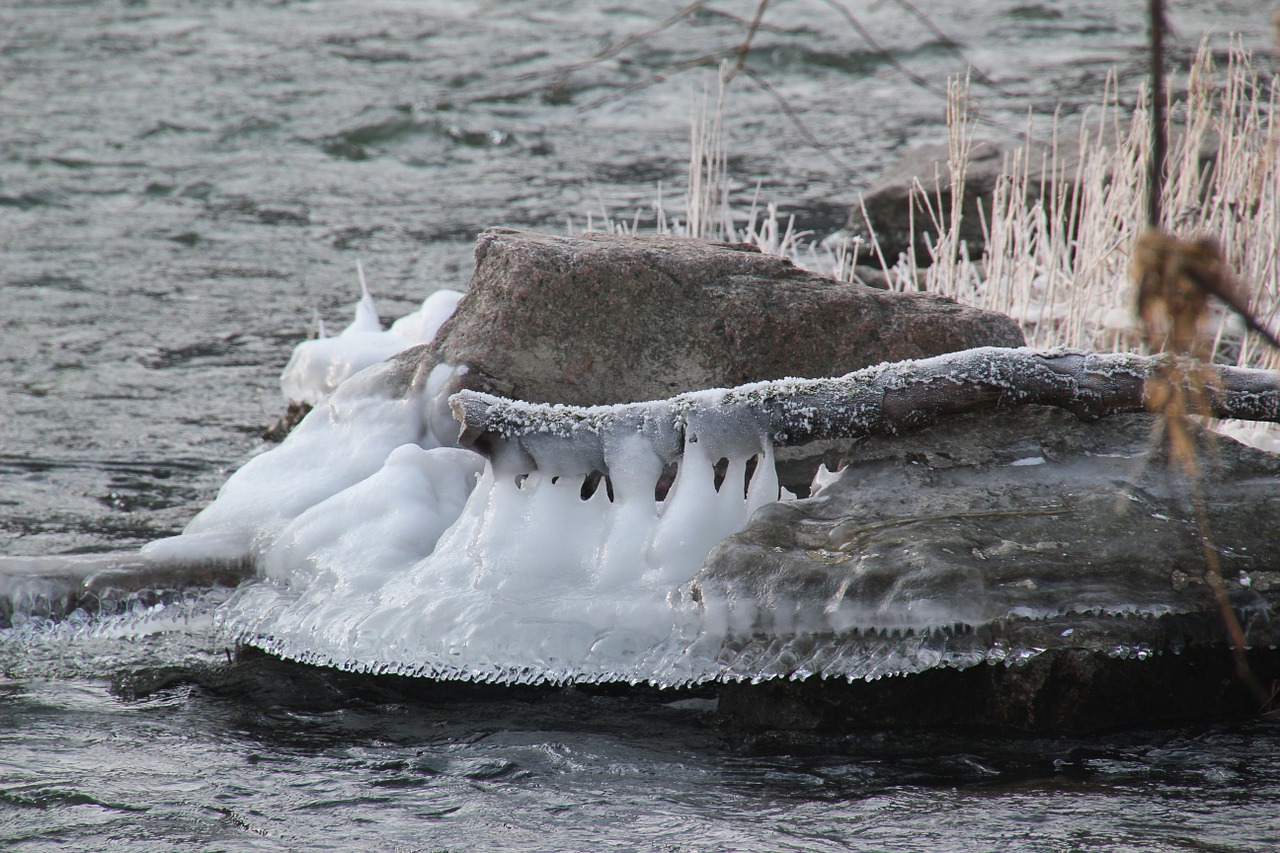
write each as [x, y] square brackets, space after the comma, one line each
[1264, 436]
[553, 572]
[317, 367]
[339, 444]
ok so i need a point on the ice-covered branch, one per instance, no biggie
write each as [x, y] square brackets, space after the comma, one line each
[889, 398]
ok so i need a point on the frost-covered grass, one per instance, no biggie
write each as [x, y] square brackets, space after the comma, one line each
[1057, 255]
[1059, 262]
[1061, 223]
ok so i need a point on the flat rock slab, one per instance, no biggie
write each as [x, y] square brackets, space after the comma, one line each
[1006, 537]
[1027, 512]
[597, 319]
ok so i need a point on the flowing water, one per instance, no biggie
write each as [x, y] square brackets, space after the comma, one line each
[185, 186]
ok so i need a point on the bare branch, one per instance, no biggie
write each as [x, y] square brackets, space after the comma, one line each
[679, 67]
[883, 52]
[611, 51]
[950, 43]
[746, 43]
[795, 117]
[887, 399]
[1159, 129]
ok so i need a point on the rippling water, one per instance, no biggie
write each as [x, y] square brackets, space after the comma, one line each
[259, 755]
[184, 185]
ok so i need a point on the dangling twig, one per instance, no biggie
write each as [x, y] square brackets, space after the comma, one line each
[1175, 279]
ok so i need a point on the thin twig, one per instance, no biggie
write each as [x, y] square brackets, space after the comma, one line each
[953, 45]
[882, 52]
[795, 117]
[678, 68]
[1231, 623]
[728, 73]
[611, 51]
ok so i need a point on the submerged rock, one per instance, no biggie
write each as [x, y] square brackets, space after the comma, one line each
[599, 318]
[894, 209]
[293, 415]
[1058, 691]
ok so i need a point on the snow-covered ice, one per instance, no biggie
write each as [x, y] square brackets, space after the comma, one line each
[318, 366]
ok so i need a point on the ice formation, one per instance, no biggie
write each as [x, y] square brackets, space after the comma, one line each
[318, 366]
[562, 555]
[528, 579]
[1264, 436]
[379, 549]
[340, 443]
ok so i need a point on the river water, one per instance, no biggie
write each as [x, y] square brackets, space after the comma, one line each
[184, 187]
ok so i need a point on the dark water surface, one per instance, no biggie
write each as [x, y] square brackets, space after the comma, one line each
[184, 185]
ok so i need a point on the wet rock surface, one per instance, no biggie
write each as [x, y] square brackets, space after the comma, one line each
[1060, 691]
[1026, 537]
[598, 318]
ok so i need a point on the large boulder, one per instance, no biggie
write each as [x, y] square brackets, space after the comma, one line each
[598, 318]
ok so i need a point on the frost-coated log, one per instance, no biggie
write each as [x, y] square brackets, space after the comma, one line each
[888, 398]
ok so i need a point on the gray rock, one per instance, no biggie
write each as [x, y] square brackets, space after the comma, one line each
[889, 202]
[1058, 691]
[597, 319]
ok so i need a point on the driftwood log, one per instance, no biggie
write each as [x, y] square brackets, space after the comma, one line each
[886, 399]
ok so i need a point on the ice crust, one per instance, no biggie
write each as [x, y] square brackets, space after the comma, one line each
[318, 366]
